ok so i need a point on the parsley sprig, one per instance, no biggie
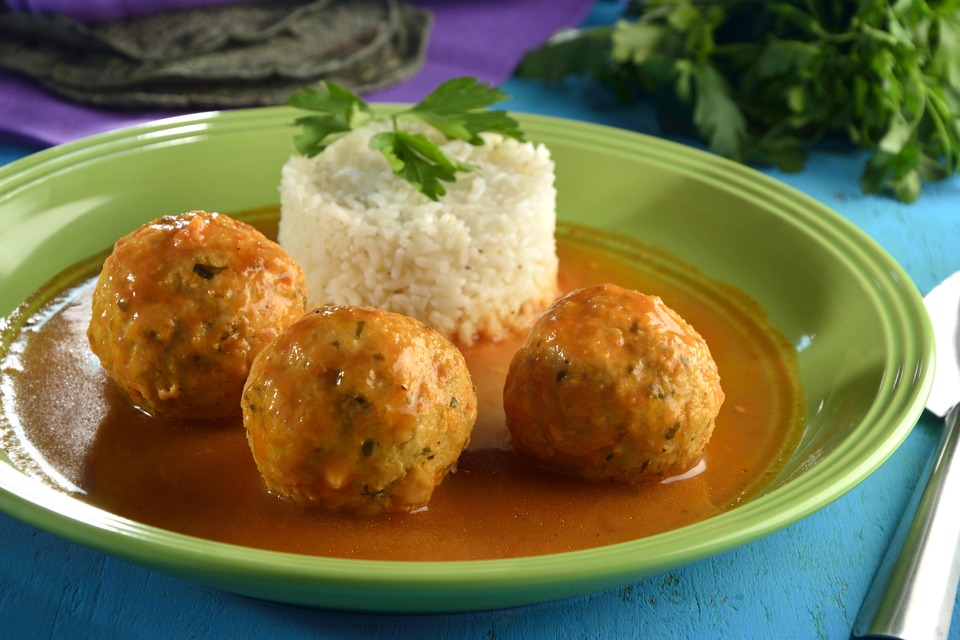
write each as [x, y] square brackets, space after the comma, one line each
[761, 81]
[457, 109]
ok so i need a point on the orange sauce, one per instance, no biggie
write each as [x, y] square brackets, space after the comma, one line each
[67, 423]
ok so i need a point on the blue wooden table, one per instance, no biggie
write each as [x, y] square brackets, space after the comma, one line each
[806, 581]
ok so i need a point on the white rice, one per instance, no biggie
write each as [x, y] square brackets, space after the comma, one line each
[479, 262]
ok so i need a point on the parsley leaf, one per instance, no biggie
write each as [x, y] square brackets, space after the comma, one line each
[457, 109]
[418, 160]
[342, 112]
[763, 81]
[580, 52]
[715, 114]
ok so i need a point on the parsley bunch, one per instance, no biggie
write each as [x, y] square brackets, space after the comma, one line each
[761, 81]
[457, 109]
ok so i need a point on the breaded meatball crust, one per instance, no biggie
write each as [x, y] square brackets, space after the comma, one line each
[612, 384]
[182, 306]
[358, 409]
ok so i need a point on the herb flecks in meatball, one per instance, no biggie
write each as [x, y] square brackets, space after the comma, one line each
[613, 384]
[358, 409]
[182, 306]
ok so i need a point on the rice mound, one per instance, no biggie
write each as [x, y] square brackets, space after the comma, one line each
[478, 263]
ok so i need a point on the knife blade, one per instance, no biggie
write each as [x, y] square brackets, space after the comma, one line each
[913, 592]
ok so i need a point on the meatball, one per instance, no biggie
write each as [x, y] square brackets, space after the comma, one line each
[358, 409]
[612, 384]
[182, 306]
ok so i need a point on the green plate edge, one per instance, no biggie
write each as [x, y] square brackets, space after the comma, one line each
[455, 586]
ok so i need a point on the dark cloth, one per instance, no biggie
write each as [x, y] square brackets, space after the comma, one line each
[232, 55]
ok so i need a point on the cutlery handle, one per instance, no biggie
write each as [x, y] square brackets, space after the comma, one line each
[913, 592]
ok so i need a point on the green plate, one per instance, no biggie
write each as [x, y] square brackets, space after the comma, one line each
[864, 342]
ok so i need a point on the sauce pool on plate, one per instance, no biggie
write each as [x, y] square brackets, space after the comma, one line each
[64, 421]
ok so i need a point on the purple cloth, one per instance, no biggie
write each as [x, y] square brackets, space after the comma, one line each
[481, 38]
